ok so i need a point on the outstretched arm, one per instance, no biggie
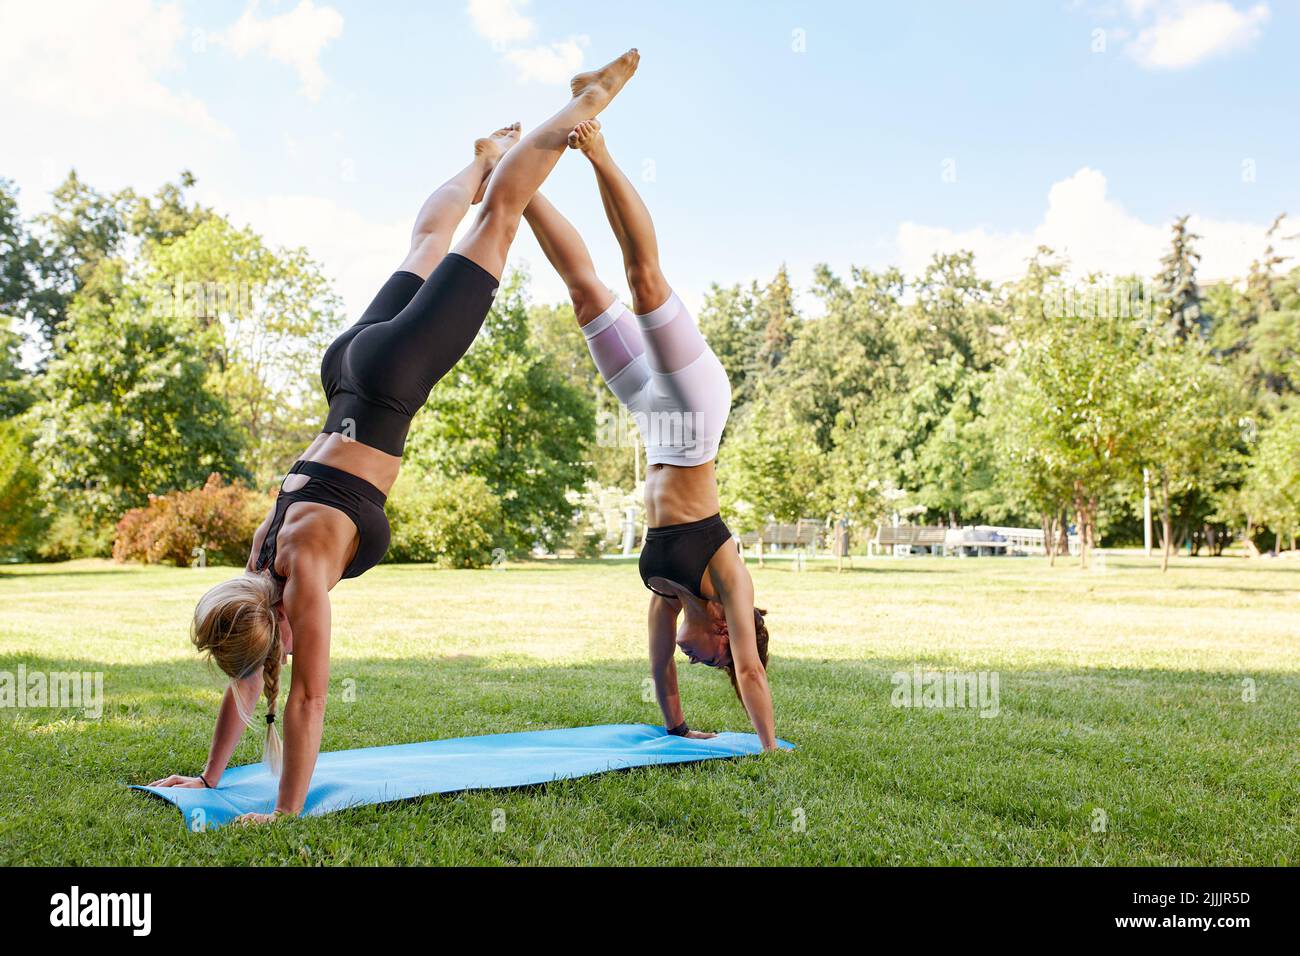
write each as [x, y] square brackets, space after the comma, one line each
[663, 643]
[225, 738]
[736, 591]
[307, 606]
[663, 666]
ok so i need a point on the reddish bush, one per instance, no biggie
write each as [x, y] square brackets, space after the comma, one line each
[215, 523]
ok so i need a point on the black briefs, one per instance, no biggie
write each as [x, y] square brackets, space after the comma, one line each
[355, 497]
[682, 552]
[379, 372]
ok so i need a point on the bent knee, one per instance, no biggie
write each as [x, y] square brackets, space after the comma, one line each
[589, 297]
[648, 286]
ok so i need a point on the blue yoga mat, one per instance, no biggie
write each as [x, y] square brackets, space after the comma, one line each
[351, 778]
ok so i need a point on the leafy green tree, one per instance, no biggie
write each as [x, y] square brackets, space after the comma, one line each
[21, 518]
[778, 319]
[1187, 417]
[20, 256]
[126, 412]
[83, 230]
[506, 415]
[1270, 496]
[17, 386]
[769, 469]
[843, 363]
[1075, 425]
[266, 317]
[727, 321]
[955, 471]
[953, 315]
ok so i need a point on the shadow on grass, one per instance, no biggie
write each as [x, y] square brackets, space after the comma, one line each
[1187, 770]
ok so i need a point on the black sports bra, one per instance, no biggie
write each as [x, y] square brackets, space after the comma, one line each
[355, 497]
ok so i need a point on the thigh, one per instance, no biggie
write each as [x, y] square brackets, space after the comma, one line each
[403, 358]
[393, 296]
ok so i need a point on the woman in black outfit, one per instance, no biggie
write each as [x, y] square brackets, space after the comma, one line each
[328, 521]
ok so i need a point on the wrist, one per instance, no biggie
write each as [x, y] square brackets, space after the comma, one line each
[680, 730]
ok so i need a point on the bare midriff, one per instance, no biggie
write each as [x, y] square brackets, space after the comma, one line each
[375, 466]
[676, 494]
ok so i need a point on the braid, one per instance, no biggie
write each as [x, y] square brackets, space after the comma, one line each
[274, 751]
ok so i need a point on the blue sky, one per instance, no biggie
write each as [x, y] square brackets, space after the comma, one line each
[759, 132]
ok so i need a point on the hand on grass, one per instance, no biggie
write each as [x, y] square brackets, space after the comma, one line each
[176, 780]
[252, 819]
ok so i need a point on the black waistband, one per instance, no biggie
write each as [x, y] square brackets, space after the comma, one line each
[689, 526]
[339, 477]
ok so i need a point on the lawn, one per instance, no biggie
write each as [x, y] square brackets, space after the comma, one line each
[1120, 699]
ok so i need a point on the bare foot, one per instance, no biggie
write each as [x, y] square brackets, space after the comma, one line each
[490, 149]
[601, 86]
[587, 137]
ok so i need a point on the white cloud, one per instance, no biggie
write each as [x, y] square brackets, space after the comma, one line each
[1095, 232]
[100, 87]
[96, 62]
[501, 21]
[555, 63]
[1183, 33]
[296, 39]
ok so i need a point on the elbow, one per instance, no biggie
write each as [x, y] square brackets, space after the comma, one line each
[754, 674]
[310, 702]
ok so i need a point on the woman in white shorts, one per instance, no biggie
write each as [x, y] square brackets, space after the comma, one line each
[654, 359]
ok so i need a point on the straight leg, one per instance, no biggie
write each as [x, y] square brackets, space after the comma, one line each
[568, 254]
[523, 170]
[630, 220]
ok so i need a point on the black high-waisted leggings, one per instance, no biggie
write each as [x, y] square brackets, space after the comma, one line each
[379, 372]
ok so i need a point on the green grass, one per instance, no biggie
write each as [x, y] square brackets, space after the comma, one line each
[1119, 690]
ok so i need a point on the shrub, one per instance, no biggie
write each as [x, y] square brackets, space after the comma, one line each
[73, 530]
[453, 522]
[217, 521]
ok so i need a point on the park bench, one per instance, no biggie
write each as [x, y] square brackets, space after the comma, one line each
[902, 539]
[806, 535]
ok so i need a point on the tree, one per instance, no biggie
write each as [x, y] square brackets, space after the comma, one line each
[1076, 393]
[505, 414]
[1187, 423]
[727, 322]
[20, 255]
[769, 470]
[125, 411]
[266, 317]
[17, 388]
[21, 520]
[1180, 308]
[83, 229]
[777, 318]
[953, 315]
[1271, 493]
